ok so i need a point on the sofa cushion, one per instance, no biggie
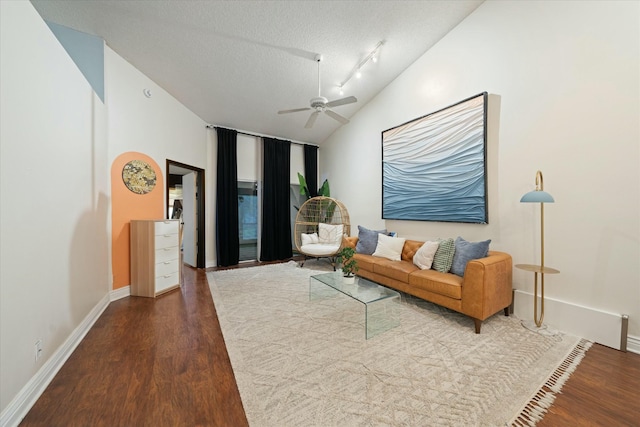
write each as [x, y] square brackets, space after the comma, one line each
[389, 247]
[366, 262]
[424, 256]
[443, 258]
[398, 270]
[330, 234]
[410, 248]
[445, 284]
[465, 252]
[367, 240]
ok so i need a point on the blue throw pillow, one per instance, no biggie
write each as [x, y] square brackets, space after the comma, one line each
[367, 240]
[465, 252]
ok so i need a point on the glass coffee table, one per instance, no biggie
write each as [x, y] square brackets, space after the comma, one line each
[381, 304]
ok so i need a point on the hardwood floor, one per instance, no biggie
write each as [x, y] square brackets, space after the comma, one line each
[603, 391]
[148, 362]
[163, 362]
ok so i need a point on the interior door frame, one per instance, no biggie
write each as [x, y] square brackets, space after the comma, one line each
[200, 181]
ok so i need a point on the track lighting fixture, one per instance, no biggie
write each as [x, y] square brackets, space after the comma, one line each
[372, 56]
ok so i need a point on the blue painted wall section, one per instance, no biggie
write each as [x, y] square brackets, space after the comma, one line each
[87, 52]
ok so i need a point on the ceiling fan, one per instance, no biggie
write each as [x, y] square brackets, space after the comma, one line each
[323, 105]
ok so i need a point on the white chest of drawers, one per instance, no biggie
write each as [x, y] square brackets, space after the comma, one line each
[155, 257]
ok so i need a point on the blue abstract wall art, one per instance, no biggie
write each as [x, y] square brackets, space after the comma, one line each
[434, 167]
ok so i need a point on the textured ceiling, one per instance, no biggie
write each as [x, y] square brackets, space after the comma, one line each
[236, 63]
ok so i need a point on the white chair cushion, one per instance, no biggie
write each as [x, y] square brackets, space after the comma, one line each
[319, 249]
[308, 239]
[330, 234]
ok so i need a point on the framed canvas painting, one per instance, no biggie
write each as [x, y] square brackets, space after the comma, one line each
[434, 167]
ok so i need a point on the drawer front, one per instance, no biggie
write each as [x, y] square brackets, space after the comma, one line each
[166, 240]
[166, 267]
[167, 254]
[166, 227]
[166, 281]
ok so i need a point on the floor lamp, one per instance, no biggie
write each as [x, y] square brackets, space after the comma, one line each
[542, 197]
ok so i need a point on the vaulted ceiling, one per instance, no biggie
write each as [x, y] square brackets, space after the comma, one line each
[237, 63]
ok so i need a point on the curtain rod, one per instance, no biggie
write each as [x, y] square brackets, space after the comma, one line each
[258, 135]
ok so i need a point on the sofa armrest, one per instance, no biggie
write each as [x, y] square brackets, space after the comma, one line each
[350, 242]
[487, 285]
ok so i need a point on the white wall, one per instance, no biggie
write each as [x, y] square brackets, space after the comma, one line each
[249, 158]
[54, 249]
[297, 163]
[158, 126]
[565, 80]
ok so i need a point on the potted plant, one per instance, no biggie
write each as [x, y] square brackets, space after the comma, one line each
[349, 265]
[325, 208]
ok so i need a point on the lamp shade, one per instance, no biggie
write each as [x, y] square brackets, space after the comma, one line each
[537, 196]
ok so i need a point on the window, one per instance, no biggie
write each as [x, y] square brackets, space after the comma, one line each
[248, 220]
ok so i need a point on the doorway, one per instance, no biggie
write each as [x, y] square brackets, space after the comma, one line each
[186, 192]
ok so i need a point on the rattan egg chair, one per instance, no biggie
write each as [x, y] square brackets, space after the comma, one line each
[320, 225]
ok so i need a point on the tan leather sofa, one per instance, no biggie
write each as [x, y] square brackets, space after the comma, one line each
[485, 289]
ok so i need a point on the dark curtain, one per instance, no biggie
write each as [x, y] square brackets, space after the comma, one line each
[311, 168]
[276, 220]
[227, 229]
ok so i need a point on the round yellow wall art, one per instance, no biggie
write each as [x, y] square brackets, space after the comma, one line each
[139, 176]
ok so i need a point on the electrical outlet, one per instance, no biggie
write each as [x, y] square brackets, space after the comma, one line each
[38, 349]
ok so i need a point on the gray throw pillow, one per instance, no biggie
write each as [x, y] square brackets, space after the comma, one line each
[443, 258]
[465, 252]
[367, 240]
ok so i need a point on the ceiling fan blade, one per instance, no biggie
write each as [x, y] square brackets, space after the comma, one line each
[337, 116]
[342, 101]
[295, 110]
[312, 119]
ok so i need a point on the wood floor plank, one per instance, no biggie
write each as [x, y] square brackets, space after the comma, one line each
[163, 362]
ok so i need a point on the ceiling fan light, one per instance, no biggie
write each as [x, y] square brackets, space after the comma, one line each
[358, 74]
[320, 104]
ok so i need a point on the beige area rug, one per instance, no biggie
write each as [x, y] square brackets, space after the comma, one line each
[306, 363]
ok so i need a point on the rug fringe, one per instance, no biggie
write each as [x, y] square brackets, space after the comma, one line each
[543, 399]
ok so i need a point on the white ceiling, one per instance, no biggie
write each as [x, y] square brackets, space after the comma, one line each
[236, 63]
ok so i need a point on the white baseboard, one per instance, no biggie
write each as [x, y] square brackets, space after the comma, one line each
[27, 397]
[586, 322]
[119, 293]
[633, 344]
